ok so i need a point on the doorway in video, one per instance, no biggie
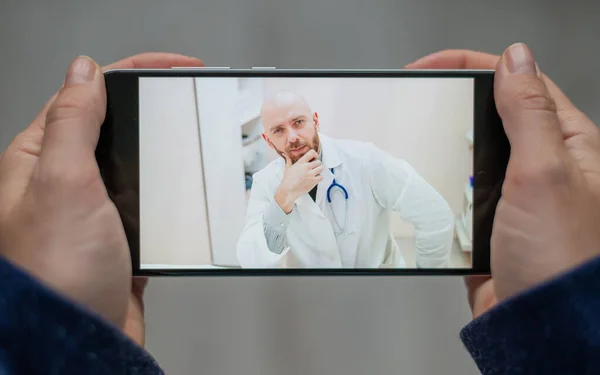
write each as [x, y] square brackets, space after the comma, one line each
[297, 172]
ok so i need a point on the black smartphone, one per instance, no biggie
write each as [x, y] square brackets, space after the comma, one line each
[265, 171]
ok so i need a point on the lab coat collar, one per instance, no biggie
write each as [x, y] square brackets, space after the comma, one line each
[330, 154]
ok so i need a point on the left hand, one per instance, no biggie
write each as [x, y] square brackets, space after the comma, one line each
[480, 289]
[56, 221]
[547, 220]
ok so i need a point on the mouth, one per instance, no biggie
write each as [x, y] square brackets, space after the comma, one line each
[301, 148]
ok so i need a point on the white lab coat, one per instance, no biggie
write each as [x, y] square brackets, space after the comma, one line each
[377, 184]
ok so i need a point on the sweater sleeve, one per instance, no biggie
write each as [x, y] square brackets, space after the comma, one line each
[42, 332]
[551, 329]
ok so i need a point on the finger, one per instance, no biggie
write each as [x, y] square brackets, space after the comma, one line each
[528, 110]
[572, 121]
[314, 164]
[318, 170]
[480, 293]
[456, 59]
[138, 287]
[22, 154]
[312, 154]
[473, 283]
[288, 160]
[73, 125]
[140, 61]
[40, 119]
[154, 60]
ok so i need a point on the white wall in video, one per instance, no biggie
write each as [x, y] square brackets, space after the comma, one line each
[377, 173]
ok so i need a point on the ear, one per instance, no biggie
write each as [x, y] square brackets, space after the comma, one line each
[268, 141]
[316, 119]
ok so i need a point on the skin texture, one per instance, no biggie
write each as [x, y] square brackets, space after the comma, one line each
[291, 129]
[548, 220]
[56, 220]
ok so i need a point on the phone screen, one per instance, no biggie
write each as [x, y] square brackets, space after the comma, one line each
[315, 173]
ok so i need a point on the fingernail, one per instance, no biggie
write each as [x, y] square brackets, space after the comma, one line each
[82, 70]
[519, 59]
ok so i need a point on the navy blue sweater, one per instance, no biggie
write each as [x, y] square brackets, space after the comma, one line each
[552, 329]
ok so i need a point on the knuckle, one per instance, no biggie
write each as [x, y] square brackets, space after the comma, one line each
[586, 143]
[594, 134]
[72, 104]
[66, 106]
[533, 96]
[20, 138]
[551, 172]
[571, 120]
[70, 179]
[27, 141]
[59, 115]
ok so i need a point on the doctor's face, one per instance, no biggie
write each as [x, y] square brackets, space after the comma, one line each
[290, 127]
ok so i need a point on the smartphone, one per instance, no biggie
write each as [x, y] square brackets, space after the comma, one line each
[266, 171]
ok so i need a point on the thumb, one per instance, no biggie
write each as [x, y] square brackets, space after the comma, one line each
[527, 109]
[288, 160]
[74, 119]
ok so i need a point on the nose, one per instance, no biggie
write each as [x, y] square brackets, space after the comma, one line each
[292, 136]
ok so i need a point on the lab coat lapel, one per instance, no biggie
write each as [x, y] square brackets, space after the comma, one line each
[323, 186]
[331, 159]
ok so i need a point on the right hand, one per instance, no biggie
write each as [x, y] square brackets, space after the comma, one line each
[298, 179]
[548, 219]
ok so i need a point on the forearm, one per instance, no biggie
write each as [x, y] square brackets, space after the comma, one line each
[433, 248]
[42, 333]
[433, 220]
[398, 187]
[551, 329]
[275, 222]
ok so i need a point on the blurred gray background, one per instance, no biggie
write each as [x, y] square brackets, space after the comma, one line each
[379, 325]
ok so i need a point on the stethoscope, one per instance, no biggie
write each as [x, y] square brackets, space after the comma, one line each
[334, 184]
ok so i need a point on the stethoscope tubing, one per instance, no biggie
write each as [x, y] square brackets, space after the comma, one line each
[335, 184]
[343, 189]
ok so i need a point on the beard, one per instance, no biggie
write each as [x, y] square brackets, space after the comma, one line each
[299, 143]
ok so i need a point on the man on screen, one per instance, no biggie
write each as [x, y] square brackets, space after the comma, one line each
[326, 203]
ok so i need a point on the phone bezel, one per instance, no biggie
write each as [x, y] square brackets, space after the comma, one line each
[122, 117]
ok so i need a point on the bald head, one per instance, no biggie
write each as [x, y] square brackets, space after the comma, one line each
[281, 103]
[289, 125]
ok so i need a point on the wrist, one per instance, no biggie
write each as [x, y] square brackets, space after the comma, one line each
[284, 200]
